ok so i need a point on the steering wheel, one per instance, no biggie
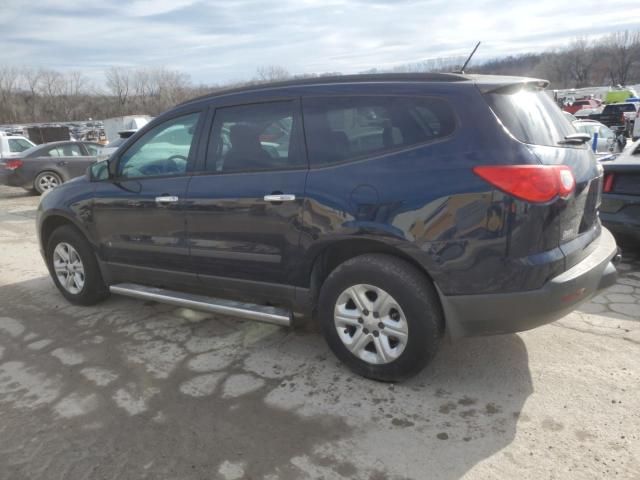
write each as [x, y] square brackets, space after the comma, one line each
[172, 166]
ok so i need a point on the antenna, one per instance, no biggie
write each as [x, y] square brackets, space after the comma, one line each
[468, 59]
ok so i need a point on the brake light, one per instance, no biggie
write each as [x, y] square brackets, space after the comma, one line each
[533, 183]
[13, 164]
[607, 186]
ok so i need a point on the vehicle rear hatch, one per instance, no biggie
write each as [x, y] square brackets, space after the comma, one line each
[532, 118]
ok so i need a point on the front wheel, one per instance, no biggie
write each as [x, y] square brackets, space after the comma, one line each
[74, 267]
[381, 316]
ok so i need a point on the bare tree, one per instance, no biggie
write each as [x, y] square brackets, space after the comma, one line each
[9, 77]
[579, 58]
[271, 73]
[623, 50]
[118, 82]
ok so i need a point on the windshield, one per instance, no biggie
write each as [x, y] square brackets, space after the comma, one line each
[530, 116]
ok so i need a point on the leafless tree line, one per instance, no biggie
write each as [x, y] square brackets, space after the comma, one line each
[30, 95]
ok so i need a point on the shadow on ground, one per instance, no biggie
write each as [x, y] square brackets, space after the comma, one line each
[135, 390]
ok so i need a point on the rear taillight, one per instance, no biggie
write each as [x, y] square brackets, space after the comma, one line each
[13, 164]
[533, 183]
[607, 186]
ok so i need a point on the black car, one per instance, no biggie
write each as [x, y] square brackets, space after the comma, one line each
[620, 209]
[395, 209]
[46, 166]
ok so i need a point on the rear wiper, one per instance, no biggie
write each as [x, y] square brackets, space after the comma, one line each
[575, 139]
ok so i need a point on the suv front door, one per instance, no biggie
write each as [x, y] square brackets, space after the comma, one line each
[244, 211]
[138, 213]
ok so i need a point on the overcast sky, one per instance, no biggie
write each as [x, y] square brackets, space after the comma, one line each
[222, 41]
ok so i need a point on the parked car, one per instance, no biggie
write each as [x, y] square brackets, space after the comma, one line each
[44, 167]
[618, 116]
[410, 207]
[620, 209]
[582, 103]
[636, 127]
[585, 113]
[569, 116]
[13, 145]
[607, 142]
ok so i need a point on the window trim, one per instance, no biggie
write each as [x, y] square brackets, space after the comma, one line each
[297, 136]
[202, 111]
[392, 151]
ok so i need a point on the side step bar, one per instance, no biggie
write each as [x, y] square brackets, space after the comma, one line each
[248, 311]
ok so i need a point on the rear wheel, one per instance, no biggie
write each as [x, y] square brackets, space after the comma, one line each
[74, 267]
[46, 181]
[381, 316]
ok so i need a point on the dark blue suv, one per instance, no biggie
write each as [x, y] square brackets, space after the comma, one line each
[394, 209]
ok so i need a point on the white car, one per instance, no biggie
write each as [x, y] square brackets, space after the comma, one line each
[12, 146]
[607, 143]
[636, 127]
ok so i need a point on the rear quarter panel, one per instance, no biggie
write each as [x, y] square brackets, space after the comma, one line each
[427, 202]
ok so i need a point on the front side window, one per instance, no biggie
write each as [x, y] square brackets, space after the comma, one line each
[344, 128]
[163, 150]
[253, 138]
[17, 145]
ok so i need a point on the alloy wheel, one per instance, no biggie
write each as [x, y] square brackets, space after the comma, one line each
[68, 268]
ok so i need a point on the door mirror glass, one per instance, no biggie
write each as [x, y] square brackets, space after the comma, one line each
[99, 171]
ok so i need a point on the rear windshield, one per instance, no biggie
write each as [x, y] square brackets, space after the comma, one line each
[530, 116]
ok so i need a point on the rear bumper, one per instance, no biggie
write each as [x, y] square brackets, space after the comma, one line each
[10, 178]
[473, 315]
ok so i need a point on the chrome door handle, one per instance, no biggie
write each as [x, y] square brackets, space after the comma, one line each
[166, 199]
[280, 197]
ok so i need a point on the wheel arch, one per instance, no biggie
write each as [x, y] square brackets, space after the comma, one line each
[331, 255]
[53, 222]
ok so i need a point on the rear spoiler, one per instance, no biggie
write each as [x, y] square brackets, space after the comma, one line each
[498, 84]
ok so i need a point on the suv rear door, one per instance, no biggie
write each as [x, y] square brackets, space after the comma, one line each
[245, 203]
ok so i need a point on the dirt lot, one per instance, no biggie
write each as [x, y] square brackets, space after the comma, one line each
[138, 390]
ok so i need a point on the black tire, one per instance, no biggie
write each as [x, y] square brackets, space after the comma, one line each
[412, 291]
[38, 182]
[94, 289]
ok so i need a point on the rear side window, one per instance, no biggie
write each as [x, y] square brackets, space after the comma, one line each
[530, 116]
[71, 150]
[339, 129]
[254, 137]
[51, 152]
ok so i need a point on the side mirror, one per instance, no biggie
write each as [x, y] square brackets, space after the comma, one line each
[99, 171]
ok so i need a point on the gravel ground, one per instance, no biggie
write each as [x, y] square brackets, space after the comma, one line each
[135, 390]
